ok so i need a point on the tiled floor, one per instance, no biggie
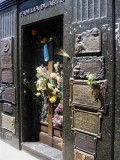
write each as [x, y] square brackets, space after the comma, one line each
[7, 152]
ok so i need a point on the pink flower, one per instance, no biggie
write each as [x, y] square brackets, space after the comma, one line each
[59, 108]
[58, 79]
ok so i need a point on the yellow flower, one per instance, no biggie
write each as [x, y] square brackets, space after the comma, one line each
[38, 94]
[53, 99]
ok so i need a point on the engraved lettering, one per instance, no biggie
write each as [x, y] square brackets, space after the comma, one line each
[87, 122]
[41, 7]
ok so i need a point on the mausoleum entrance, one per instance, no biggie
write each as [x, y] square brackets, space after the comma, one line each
[42, 88]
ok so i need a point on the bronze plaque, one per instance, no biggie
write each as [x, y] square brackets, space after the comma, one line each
[8, 122]
[7, 108]
[9, 95]
[88, 42]
[86, 122]
[81, 94]
[7, 76]
[79, 155]
[85, 142]
[82, 66]
[6, 46]
[6, 62]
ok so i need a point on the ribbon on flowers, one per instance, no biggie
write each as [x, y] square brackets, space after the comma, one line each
[46, 53]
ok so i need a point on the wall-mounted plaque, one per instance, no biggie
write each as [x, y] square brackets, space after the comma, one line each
[6, 62]
[82, 66]
[88, 42]
[6, 46]
[82, 95]
[7, 76]
[86, 122]
[7, 108]
[9, 95]
[8, 122]
[85, 142]
[79, 155]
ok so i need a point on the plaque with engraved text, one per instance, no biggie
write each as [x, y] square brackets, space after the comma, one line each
[82, 66]
[6, 62]
[7, 108]
[8, 122]
[7, 76]
[86, 122]
[88, 42]
[81, 95]
[6, 46]
[85, 142]
[79, 155]
[9, 95]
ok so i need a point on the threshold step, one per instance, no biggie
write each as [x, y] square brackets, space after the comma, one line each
[42, 151]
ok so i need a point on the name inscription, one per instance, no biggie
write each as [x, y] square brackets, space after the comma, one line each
[82, 94]
[86, 122]
[85, 142]
[43, 6]
[82, 66]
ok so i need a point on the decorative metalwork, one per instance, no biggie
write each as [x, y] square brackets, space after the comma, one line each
[85, 142]
[86, 122]
[88, 42]
[7, 24]
[6, 46]
[81, 95]
[84, 10]
[82, 66]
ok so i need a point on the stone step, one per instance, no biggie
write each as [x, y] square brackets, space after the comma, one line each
[42, 151]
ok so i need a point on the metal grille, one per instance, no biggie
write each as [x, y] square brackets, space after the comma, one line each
[89, 9]
[7, 24]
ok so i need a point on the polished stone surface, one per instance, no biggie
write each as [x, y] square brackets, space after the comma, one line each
[42, 151]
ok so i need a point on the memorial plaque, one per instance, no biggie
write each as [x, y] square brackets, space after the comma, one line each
[8, 122]
[79, 155]
[7, 108]
[9, 95]
[6, 62]
[85, 142]
[86, 122]
[6, 46]
[7, 76]
[88, 42]
[82, 66]
[81, 95]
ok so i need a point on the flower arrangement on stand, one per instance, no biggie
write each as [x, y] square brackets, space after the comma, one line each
[49, 88]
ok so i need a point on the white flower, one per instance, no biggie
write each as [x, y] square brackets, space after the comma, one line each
[50, 86]
[53, 75]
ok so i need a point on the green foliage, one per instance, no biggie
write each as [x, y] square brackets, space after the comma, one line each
[91, 79]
